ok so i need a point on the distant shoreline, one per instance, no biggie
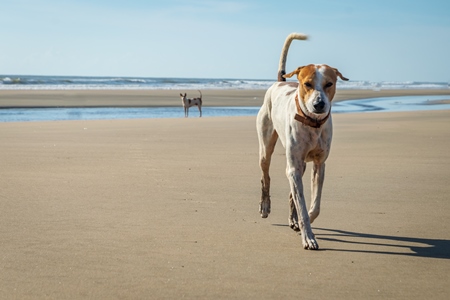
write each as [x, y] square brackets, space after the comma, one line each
[62, 83]
[170, 98]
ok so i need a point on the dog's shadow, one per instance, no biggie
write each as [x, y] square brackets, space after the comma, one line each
[382, 244]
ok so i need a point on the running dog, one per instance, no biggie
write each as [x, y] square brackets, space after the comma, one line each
[191, 102]
[299, 115]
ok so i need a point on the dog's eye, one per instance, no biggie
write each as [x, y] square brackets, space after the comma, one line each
[328, 84]
[308, 85]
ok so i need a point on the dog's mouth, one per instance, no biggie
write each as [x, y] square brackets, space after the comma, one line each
[319, 111]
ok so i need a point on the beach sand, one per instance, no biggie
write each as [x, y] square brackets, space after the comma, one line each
[168, 208]
[155, 98]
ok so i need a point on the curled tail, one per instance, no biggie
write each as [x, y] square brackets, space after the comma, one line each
[284, 52]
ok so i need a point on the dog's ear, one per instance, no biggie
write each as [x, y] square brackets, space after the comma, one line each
[296, 72]
[339, 74]
[181, 95]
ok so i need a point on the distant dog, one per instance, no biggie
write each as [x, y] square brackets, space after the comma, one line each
[191, 102]
[298, 114]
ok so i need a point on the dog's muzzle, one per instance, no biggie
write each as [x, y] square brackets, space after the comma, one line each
[319, 105]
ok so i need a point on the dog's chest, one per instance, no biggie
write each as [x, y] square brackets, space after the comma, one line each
[313, 144]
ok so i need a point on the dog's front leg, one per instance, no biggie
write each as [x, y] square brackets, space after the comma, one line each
[317, 178]
[294, 174]
[293, 218]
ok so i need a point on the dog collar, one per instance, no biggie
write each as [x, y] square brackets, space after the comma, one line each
[302, 118]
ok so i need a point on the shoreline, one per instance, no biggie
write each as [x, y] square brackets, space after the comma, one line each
[170, 98]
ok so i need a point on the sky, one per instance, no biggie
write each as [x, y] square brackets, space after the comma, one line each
[378, 40]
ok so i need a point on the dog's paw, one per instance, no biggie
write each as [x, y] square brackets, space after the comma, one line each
[264, 208]
[294, 224]
[309, 241]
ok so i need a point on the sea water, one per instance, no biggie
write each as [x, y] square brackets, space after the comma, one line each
[114, 113]
[385, 104]
[26, 82]
[15, 82]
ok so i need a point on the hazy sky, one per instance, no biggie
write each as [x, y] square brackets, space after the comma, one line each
[378, 40]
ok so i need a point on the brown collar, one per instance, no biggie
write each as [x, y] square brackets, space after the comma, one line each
[302, 118]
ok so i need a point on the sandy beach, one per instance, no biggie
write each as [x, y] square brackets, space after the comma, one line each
[168, 208]
[155, 98]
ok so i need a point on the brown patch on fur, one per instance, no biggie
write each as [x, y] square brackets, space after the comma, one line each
[307, 78]
[307, 75]
[329, 76]
[290, 92]
[291, 84]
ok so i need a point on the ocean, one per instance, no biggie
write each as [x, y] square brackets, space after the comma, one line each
[28, 82]
[16, 82]
[386, 104]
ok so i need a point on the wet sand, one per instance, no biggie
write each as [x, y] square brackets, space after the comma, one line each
[159, 98]
[168, 208]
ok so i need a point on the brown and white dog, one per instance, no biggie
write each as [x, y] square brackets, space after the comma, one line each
[191, 102]
[299, 115]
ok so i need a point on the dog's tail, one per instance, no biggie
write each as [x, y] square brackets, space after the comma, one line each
[201, 101]
[284, 53]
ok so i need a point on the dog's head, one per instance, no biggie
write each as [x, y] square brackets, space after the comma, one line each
[317, 86]
[183, 96]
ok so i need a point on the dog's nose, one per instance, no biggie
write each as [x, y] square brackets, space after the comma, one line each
[318, 105]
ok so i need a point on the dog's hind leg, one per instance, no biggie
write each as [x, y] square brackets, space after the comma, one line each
[266, 150]
[267, 140]
[293, 217]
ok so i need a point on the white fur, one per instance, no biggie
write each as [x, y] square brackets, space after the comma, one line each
[287, 43]
[309, 109]
[303, 144]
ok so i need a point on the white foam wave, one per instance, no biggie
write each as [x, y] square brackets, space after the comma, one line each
[9, 82]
